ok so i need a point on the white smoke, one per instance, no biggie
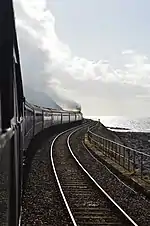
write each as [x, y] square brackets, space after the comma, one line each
[43, 56]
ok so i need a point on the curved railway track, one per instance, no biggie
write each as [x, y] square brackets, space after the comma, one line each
[87, 203]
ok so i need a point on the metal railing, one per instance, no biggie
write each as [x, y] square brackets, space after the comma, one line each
[134, 161]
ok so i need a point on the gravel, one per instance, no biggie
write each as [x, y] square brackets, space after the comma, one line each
[81, 200]
[43, 204]
[42, 201]
[135, 204]
[136, 140]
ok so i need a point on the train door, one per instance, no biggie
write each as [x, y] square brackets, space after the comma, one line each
[10, 146]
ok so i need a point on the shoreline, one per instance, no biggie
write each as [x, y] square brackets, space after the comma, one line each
[127, 130]
[117, 128]
[134, 124]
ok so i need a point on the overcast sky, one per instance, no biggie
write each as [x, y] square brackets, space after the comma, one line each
[96, 52]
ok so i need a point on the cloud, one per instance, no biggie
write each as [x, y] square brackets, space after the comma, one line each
[127, 52]
[48, 64]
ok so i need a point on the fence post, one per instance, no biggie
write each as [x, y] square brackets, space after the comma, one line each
[103, 146]
[115, 148]
[89, 138]
[100, 141]
[134, 160]
[119, 153]
[128, 151]
[88, 135]
[108, 148]
[111, 150]
[123, 157]
[141, 166]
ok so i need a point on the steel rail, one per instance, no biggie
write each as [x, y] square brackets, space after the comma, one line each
[77, 161]
[103, 191]
[55, 172]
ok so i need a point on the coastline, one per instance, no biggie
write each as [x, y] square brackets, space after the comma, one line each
[140, 142]
[131, 124]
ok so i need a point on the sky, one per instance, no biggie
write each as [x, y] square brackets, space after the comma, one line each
[94, 52]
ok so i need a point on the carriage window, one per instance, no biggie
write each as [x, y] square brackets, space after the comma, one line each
[0, 116]
[6, 96]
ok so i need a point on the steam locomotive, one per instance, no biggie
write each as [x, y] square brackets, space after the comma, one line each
[20, 121]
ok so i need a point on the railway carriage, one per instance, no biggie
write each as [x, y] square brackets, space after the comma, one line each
[28, 124]
[48, 118]
[38, 120]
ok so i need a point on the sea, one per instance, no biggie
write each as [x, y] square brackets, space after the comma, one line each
[132, 124]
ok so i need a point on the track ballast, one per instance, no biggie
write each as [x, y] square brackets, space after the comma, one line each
[86, 202]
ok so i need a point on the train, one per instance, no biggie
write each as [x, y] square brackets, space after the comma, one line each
[20, 121]
[38, 118]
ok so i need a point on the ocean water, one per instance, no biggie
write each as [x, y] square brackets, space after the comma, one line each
[137, 124]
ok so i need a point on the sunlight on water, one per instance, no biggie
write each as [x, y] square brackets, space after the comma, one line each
[134, 124]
